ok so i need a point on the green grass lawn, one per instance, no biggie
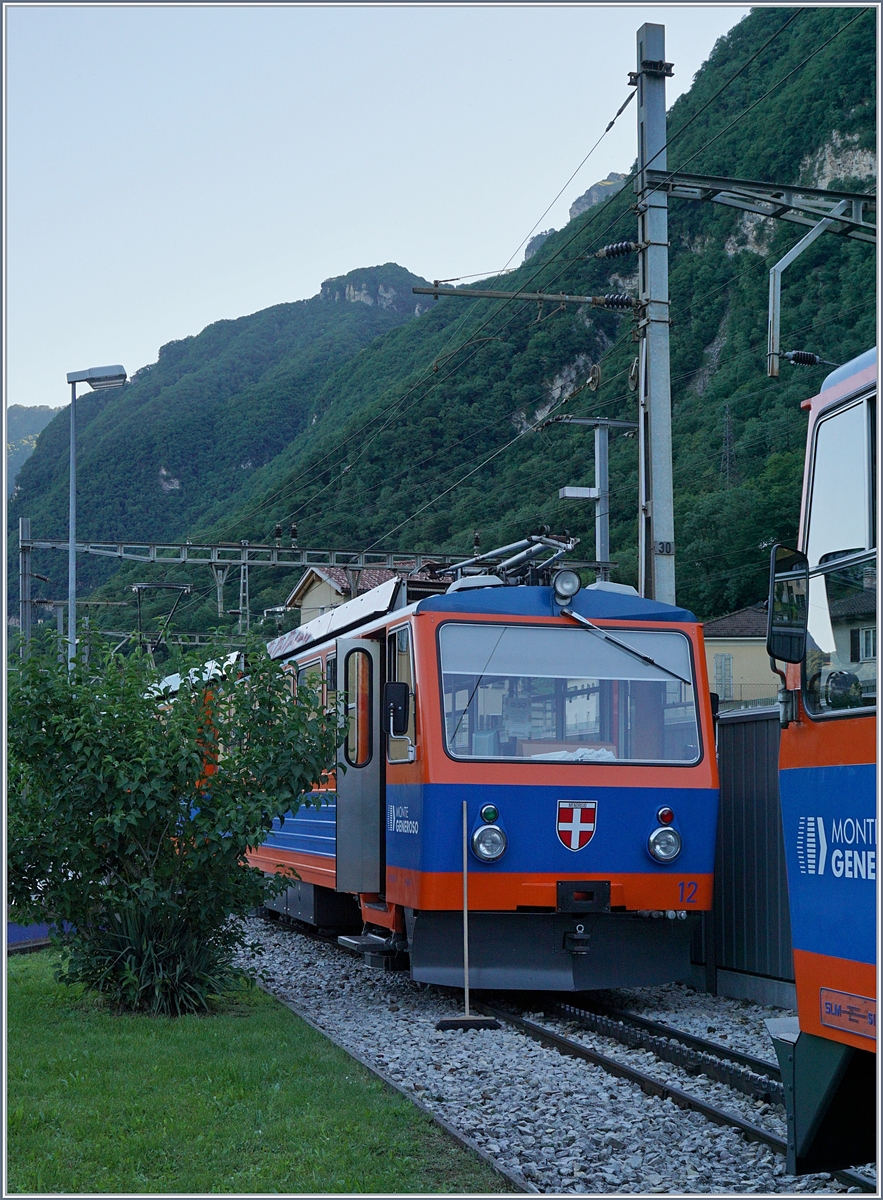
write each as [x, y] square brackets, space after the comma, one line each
[250, 1099]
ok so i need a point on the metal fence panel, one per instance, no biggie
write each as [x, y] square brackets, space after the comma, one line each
[752, 924]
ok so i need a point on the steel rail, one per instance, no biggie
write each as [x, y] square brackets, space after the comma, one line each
[664, 1091]
[737, 1070]
[647, 1083]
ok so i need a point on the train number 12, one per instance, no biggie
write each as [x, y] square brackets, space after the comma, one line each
[687, 891]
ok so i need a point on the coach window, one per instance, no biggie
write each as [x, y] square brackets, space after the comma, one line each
[331, 681]
[310, 675]
[400, 668]
[357, 747]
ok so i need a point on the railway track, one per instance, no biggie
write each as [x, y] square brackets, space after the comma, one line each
[741, 1072]
[696, 1055]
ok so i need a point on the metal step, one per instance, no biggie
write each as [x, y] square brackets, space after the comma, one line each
[363, 942]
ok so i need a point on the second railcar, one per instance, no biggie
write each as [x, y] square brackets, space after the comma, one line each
[823, 621]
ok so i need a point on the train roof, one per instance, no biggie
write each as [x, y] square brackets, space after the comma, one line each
[595, 603]
[599, 602]
[860, 363]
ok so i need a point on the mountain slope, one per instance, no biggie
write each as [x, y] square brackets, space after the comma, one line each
[420, 437]
[190, 430]
[24, 423]
[818, 127]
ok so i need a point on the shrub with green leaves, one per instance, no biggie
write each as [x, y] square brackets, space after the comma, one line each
[130, 813]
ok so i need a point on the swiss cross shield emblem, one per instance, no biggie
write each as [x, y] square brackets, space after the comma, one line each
[576, 822]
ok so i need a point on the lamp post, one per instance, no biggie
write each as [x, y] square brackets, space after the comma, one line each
[97, 378]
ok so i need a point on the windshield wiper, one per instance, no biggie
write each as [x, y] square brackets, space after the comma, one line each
[624, 646]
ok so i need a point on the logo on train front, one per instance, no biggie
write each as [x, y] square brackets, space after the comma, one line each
[812, 846]
[845, 847]
[576, 822]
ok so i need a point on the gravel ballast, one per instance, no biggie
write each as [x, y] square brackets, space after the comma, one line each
[565, 1125]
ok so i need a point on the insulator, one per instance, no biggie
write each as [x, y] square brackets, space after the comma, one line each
[614, 300]
[277, 532]
[618, 249]
[633, 376]
[802, 358]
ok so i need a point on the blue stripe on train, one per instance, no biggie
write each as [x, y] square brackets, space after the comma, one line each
[830, 828]
[309, 831]
[424, 827]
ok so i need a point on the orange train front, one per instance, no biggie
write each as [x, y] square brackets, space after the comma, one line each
[576, 726]
[823, 605]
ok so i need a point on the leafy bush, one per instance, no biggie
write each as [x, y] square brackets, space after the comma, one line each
[130, 813]
[146, 961]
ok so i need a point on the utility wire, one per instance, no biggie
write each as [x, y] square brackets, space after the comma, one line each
[610, 125]
[533, 427]
[595, 215]
[766, 94]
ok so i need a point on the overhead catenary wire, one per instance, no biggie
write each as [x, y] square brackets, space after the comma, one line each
[511, 442]
[610, 125]
[396, 407]
[459, 323]
[596, 405]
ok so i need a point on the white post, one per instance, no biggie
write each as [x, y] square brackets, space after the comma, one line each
[72, 539]
[465, 911]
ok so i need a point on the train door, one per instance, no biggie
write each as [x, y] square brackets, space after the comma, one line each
[359, 786]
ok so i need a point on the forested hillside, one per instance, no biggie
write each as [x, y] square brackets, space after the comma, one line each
[192, 429]
[24, 423]
[422, 436]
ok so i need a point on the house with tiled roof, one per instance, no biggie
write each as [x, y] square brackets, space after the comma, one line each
[322, 588]
[736, 656]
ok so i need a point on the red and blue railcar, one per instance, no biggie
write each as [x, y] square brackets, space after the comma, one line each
[823, 622]
[578, 731]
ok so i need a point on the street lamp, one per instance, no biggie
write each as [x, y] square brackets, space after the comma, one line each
[97, 378]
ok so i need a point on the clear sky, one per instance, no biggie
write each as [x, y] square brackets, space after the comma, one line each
[168, 166]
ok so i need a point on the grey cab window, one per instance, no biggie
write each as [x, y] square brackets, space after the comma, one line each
[545, 694]
[840, 671]
[400, 668]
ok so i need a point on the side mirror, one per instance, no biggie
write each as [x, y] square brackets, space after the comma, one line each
[787, 607]
[715, 704]
[396, 709]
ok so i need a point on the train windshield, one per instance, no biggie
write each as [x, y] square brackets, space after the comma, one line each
[566, 695]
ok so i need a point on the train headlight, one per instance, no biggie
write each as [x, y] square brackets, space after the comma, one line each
[664, 844]
[566, 584]
[489, 843]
